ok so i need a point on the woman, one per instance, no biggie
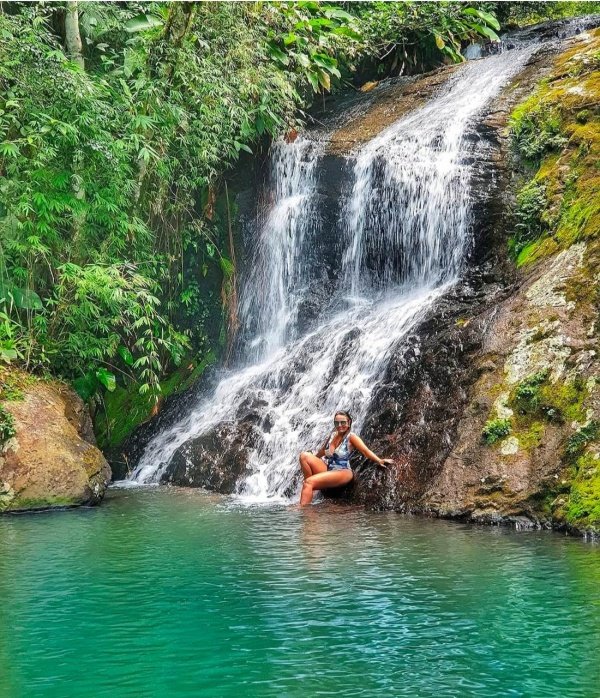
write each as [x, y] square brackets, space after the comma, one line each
[330, 465]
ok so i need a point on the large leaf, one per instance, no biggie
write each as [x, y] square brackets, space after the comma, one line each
[86, 386]
[142, 22]
[485, 31]
[276, 53]
[8, 355]
[22, 298]
[126, 355]
[485, 16]
[313, 78]
[489, 19]
[337, 13]
[107, 379]
[324, 61]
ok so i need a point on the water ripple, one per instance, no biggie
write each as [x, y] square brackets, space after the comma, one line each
[166, 592]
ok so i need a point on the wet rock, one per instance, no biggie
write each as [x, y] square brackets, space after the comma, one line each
[215, 460]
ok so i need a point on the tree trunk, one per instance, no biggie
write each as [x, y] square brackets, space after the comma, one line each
[164, 54]
[72, 35]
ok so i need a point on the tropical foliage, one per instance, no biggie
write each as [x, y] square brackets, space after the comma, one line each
[118, 123]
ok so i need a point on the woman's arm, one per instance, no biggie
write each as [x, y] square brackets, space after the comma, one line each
[360, 445]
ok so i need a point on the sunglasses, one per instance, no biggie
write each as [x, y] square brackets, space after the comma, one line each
[340, 422]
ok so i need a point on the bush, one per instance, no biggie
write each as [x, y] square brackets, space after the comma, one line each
[496, 429]
[7, 425]
[582, 437]
[535, 129]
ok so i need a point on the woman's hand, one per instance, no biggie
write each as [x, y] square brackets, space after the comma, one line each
[385, 462]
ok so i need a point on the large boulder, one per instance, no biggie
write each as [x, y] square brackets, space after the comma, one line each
[51, 460]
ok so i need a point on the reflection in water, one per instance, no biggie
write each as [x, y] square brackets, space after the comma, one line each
[179, 593]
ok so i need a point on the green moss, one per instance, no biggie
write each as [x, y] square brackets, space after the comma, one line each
[556, 402]
[24, 503]
[583, 506]
[496, 429]
[583, 116]
[125, 409]
[532, 436]
[564, 400]
[556, 136]
[582, 437]
[535, 126]
[13, 382]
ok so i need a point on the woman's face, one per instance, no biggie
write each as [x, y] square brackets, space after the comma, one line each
[341, 423]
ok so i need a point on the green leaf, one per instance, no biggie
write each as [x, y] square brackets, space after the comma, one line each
[23, 298]
[324, 61]
[337, 13]
[303, 60]
[142, 22]
[439, 42]
[9, 149]
[313, 78]
[485, 31]
[489, 19]
[107, 379]
[259, 124]
[490, 33]
[126, 355]
[276, 53]
[86, 386]
[347, 31]
[8, 355]
[226, 266]
[242, 146]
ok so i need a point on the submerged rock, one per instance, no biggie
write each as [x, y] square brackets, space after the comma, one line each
[51, 459]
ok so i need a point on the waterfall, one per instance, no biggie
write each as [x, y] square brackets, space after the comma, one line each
[279, 266]
[405, 225]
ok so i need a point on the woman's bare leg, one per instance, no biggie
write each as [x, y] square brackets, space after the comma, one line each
[311, 465]
[323, 481]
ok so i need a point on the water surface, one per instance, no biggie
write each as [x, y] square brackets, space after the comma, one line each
[178, 593]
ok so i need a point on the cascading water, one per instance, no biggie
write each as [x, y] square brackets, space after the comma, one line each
[406, 221]
[278, 272]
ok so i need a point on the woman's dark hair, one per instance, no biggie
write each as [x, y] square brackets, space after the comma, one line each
[346, 414]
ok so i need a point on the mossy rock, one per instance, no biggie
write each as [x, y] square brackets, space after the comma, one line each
[583, 507]
[556, 133]
[50, 459]
[125, 408]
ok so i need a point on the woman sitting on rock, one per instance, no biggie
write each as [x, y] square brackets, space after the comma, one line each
[330, 465]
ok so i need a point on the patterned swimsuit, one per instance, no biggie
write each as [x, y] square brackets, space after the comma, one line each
[340, 458]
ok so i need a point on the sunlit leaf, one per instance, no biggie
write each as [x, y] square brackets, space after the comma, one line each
[108, 379]
[142, 22]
